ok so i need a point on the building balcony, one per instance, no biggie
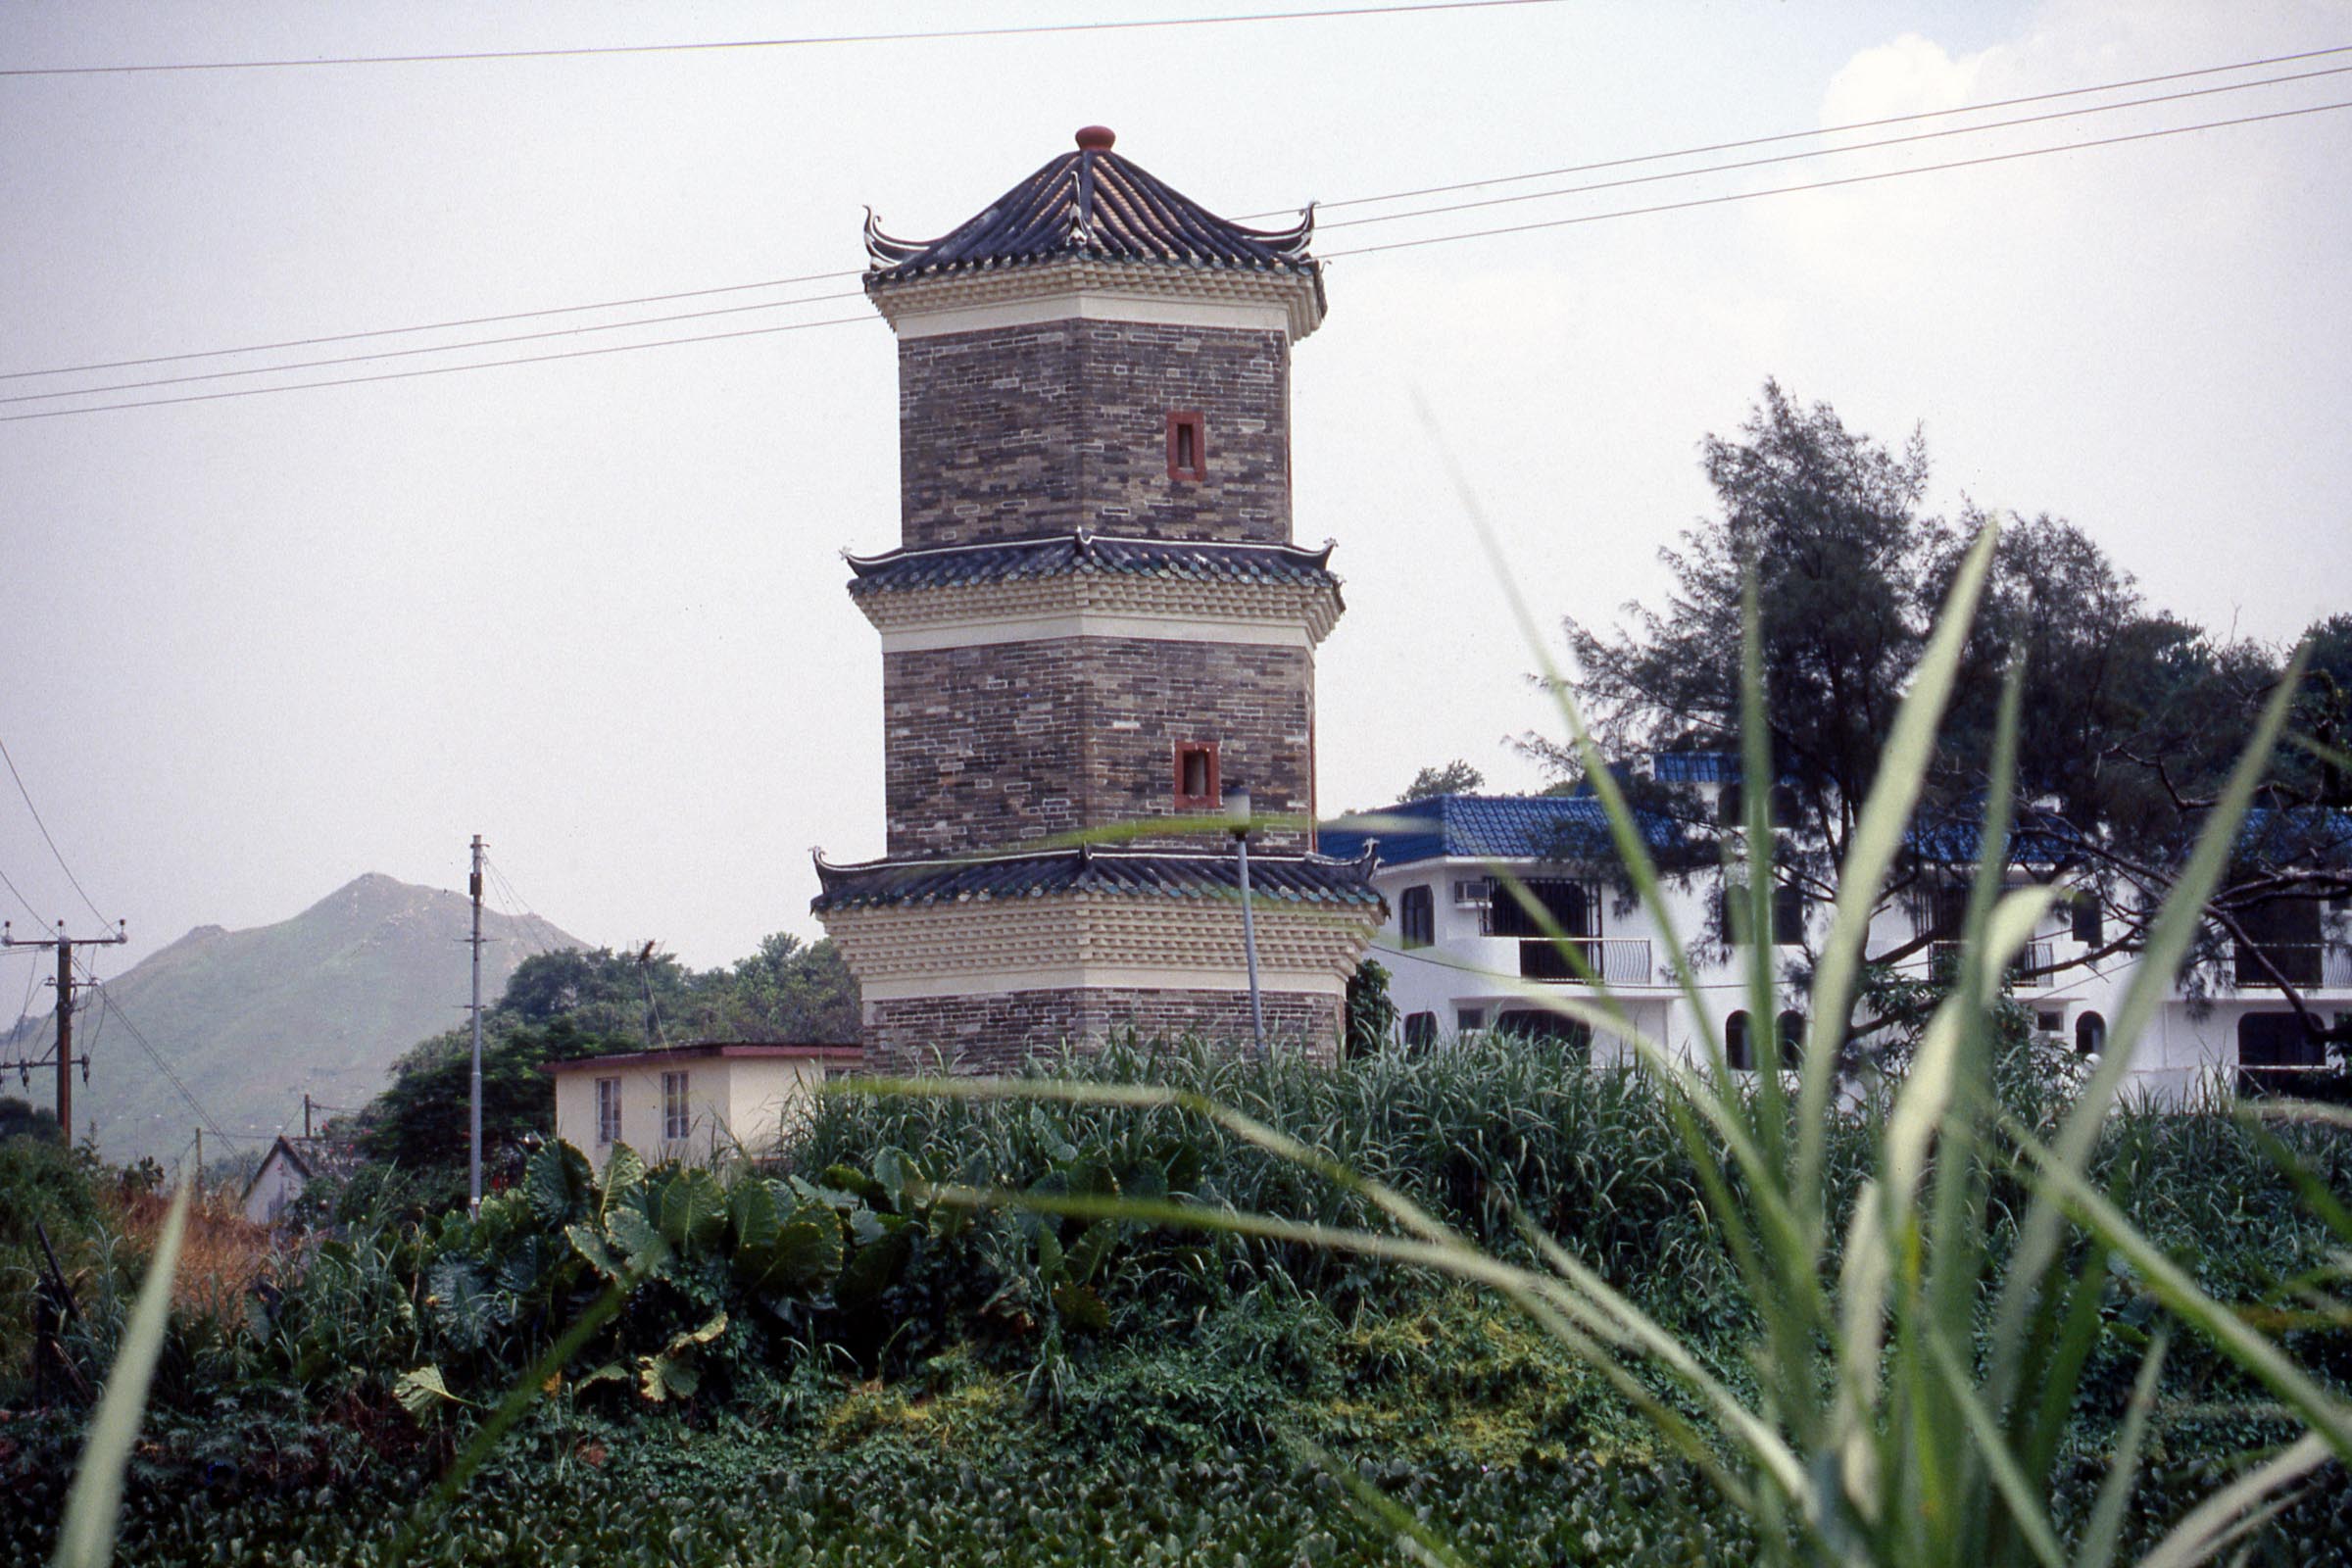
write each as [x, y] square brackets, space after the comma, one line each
[2029, 970]
[1614, 961]
[2305, 965]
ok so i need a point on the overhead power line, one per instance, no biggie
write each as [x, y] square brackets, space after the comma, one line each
[1324, 206]
[38, 917]
[1345, 222]
[107, 1001]
[1819, 131]
[432, 348]
[440, 369]
[1028, 30]
[1361, 250]
[427, 326]
[1826, 152]
[1831, 184]
[45, 838]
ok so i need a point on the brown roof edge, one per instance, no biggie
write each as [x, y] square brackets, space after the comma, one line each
[709, 1049]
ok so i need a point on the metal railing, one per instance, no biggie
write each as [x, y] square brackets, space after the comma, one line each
[2029, 970]
[2317, 964]
[1615, 960]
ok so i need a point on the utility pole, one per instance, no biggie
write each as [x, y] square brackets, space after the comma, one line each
[306, 1116]
[64, 946]
[474, 1161]
[200, 1162]
[1236, 814]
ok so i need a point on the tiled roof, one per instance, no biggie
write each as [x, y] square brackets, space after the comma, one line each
[1694, 768]
[1141, 873]
[1094, 203]
[1004, 560]
[1497, 827]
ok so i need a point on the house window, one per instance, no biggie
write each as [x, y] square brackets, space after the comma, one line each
[2090, 1035]
[2091, 919]
[1420, 1030]
[1787, 916]
[1416, 917]
[1731, 913]
[608, 1111]
[1792, 1038]
[1196, 784]
[1738, 1049]
[1187, 445]
[1466, 1019]
[677, 1122]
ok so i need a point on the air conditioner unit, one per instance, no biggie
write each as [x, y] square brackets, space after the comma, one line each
[1474, 893]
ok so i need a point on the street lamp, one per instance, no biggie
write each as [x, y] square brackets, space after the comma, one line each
[1236, 817]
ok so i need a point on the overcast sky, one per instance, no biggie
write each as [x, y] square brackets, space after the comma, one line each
[592, 609]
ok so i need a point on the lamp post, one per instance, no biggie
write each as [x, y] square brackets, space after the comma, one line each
[1237, 816]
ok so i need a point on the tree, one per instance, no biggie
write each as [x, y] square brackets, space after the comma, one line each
[1371, 1014]
[1456, 777]
[2131, 719]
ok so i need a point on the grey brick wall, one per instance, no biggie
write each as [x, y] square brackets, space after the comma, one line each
[991, 747]
[1015, 433]
[997, 1033]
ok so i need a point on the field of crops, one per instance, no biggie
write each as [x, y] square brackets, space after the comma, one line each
[822, 1366]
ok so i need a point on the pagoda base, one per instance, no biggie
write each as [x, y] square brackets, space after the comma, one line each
[995, 1034]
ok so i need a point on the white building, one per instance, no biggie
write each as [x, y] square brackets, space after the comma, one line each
[703, 1103]
[1464, 955]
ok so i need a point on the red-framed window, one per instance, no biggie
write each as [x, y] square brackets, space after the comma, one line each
[1187, 445]
[1196, 783]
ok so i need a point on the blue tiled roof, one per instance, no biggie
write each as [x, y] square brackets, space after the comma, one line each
[1497, 827]
[1694, 768]
[1142, 873]
[1004, 560]
[1094, 203]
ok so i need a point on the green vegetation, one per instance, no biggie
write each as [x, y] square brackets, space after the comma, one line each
[581, 1002]
[2128, 723]
[894, 1379]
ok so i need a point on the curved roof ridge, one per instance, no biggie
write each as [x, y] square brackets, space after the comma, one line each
[1092, 202]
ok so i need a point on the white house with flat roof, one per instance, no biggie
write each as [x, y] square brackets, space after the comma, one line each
[1466, 957]
[700, 1105]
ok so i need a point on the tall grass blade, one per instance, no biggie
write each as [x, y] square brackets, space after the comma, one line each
[94, 1510]
[2215, 1523]
[1878, 837]
[2175, 927]
[2106, 1524]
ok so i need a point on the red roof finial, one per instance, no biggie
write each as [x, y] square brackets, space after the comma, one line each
[1095, 138]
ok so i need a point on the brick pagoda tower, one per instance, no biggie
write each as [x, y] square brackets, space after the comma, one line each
[1095, 622]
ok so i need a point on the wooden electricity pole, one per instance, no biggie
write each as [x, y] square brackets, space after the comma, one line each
[64, 946]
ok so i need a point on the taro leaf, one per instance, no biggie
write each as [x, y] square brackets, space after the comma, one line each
[1146, 1181]
[422, 1393]
[1049, 1254]
[870, 1227]
[1081, 1306]
[849, 1179]
[647, 1252]
[465, 1311]
[1092, 1246]
[692, 1211]
[892, 1169]
[589, 1246]
[803, 1255]
[518, 1272]
[555, 1182]
[873, 1269]
[754, 1214]
[675, 1374]
[624, 1174]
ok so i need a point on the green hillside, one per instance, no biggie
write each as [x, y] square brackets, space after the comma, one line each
[252, 1020]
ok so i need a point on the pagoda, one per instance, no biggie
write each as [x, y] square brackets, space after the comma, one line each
[1094, 629]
